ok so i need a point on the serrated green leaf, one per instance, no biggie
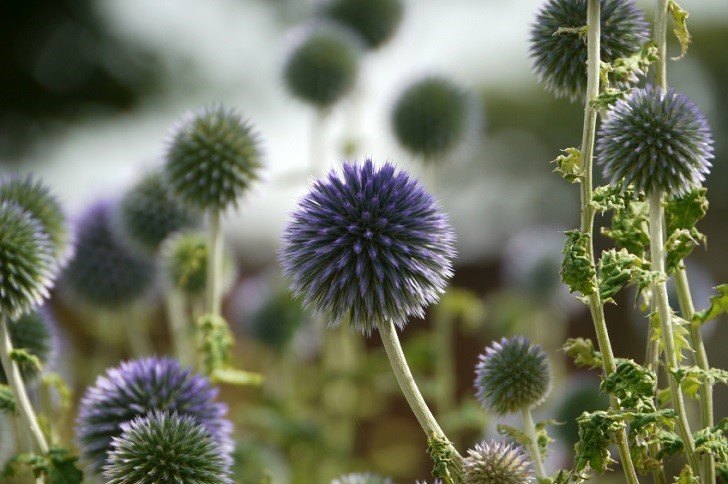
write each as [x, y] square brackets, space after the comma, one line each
[615, 271]
[569, 165]
[626, 69]
[577, 269]
[718, 306]
[685, 211]
[680, 27]
[596, 435]
[633, 385]
[609, 197]
[629, 228]
[692, 377]
[679, 245]
[680, 333]
[582, 351]
[214, 342]
[516, 434]
[605, 99]
[686, 476]
[7, 399]
[25, 358]
[713, 441]
[441, 454]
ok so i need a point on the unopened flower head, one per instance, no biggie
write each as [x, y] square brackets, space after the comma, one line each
[136, 388]
[655, 140]
[375, 21]
[512, 375]
[497, 463]
[370, 243]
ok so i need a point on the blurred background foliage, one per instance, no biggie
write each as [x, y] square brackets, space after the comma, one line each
[89, 88]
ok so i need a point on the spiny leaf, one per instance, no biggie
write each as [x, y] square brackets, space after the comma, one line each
[685, 211]
[679, 245]
[679, 332]
[692, 377]
[439, 449]
[596, 435]
[686, 476]
[7, 400]
[714, 442]
[214, 343]
[25, 358]
[581, 32]
[633, 385]
[577, 269]
[617, 268]
[609, 197]
[605, 99]
[524, 440]
[629, 228]
[582, 351]
[569, 165]
[516, 434]
[680, 27]
[718, 306]
[626, 69]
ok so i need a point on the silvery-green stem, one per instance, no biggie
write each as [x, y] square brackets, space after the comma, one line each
[16, 383]
[587, 212]
[407, 384]
[214, 266]
[657, 261]
[530, 429]
[179, 328]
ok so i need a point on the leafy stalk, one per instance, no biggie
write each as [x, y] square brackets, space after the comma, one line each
[214, 266]
[530, 429]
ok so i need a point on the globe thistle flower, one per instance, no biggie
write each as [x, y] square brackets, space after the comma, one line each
[26, 261]
[370, 243]
[36, 199]
[375, 21]
[184, 261]
[164, 447]
[497, 463]
[105, 273]
[135, 388]
[322, 69]
[212, 158]
[362, 478]
[560, 60]
[35, 333]
[655, 140]
[148, 213]
[430, 116]
[512, 375]
[275, 322]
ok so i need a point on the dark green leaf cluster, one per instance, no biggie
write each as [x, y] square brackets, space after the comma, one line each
[582, 351]
[629, 227]
[440, 452]
[633, 385]
[32, 334]
[58, 466]
[7, 399]
[577, 269]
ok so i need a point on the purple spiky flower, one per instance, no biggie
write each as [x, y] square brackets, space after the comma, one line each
[656, 140]
[370, 243]
[138, 387]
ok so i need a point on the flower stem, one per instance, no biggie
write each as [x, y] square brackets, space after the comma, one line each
[214, 265]
[657, 261]
[587, 212]
[530, 429]
[412, 394]
[179, 328]
[15, 381]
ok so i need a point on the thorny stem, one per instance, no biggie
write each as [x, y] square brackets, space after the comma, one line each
[530, 429]
[657, 261]
[587, 213]
[412, 394]
[214, 265]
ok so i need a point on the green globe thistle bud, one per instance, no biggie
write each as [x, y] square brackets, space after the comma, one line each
[26, 261]
[362, 478]
[35, 198]
[277, 319]
[184, 262]
[430, 116]
[560, 60]
[166, 447]
[655, 140]
[105, 273]
[323, 68]
[148, 213]
[375, 21]
[212, 158]
[512, 375]
[34, 333]
[497, 463]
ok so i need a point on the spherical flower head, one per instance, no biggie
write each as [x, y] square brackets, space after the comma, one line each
[560, 60]
[33, 332]
[370, 243]
[497, 463]
[164, 447]
[212, 158]
[375, 21]
[276, 321]
[105, 273]
[184, 260]
[148, 213]
[430, 116]
[322, 69]
[36, 199]
[655, 140]
[362, 478]
[26, 261]
[136, 388]
[512, 375]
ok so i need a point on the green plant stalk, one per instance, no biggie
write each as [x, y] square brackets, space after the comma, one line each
[657, 261]
[412, 394]
[16, 383]
[587, 214]
[179, 327]
[213, 301]
[652, 362]
[530, 429]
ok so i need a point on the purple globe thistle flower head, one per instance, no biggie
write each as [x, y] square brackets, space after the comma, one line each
[369, 243]
[559, 61]
[512, 375]
[655, 140]
[138, 387]
[497, 463]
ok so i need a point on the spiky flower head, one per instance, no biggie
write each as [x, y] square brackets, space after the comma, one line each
[136, 388]
[497, 463]
[560, 60]
[430, 116]
[512, 375]
[322, 69]
[184, 261]
[370, 243]
[164, 447]
[34, 333]
[106, 273]
[362, 478]
[276, 320]
[35, 198]
[375, 21]
[26, 261]
[655, 140]
[148, 213]
[212, 158]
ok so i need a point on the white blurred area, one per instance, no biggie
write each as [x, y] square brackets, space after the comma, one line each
[232, 51]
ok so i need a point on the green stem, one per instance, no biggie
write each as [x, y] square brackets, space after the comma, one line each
[179, 327]
[16, 383]
[652, 362]
[412, 394]
[530, 429]
[657, 261]
[587, 213]
[214, 266]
